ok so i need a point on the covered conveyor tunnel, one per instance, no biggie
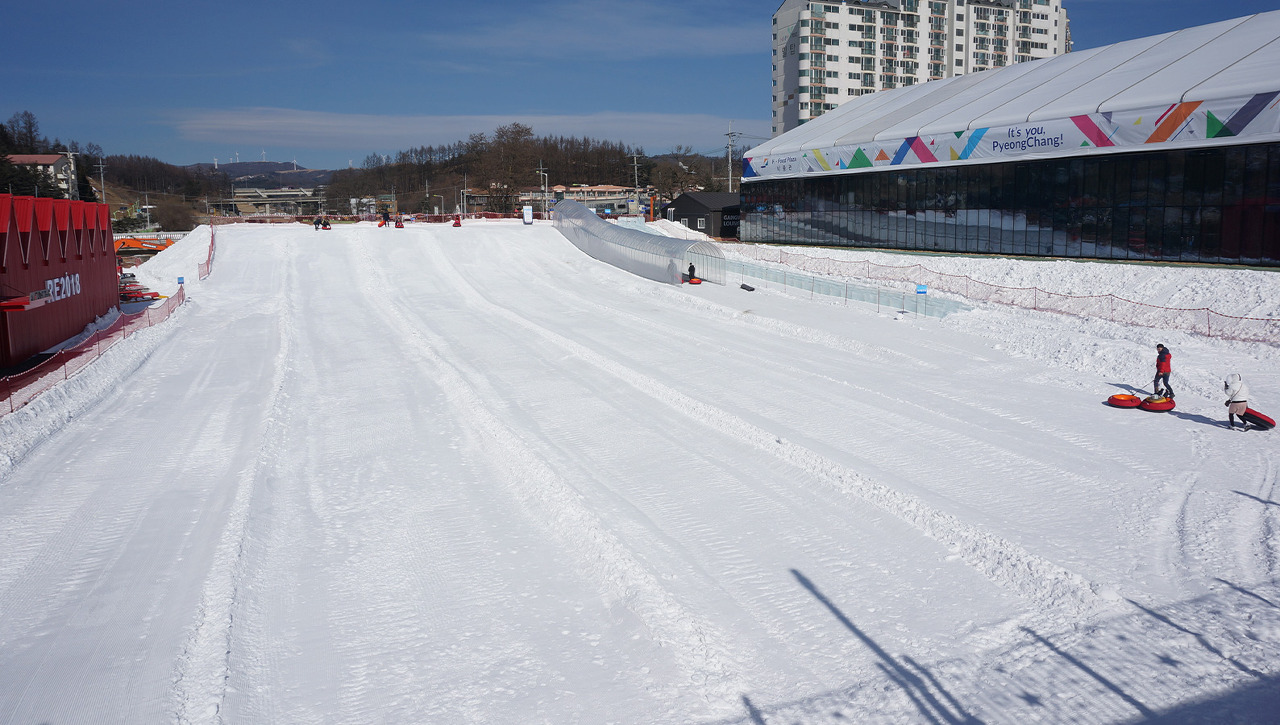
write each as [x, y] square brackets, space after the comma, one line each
[659, 258]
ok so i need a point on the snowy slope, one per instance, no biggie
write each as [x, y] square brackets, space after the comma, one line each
[447, 475]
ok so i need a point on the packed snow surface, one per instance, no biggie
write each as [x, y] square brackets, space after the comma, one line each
[470, 475]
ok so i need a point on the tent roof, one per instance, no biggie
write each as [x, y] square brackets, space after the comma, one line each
[1232, 59]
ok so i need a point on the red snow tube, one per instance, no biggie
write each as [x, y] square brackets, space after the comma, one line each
[382, 224]
[1124, 400]
[1156, 404]
[694, 280]
[1258, 419]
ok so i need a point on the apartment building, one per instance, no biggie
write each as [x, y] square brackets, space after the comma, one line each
[825, 53]
[60, 168]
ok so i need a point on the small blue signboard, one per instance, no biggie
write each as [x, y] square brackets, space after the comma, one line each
[181, 280]
[922, 289]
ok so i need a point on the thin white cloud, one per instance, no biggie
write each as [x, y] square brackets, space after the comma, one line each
[283, 127]
[586, 31]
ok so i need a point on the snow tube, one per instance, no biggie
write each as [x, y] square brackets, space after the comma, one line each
[694, 280]
[1124, 400]
[399, 225]
[382, 224]
[1156, 403]
[1258, 419]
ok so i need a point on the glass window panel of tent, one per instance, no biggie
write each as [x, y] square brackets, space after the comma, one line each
[1273, 173]
[1139, 171]
[1154, 231]
[1106, 194]
[1233, 163]
[1194, 179]
[1021, 191]
[1255, 173]
[1039, 210]
[951, 193]
[1214, 176]
[1123, 169]
[1211, 231]
[1174, 177]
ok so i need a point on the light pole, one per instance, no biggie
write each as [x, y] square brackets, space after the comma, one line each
[543, 174]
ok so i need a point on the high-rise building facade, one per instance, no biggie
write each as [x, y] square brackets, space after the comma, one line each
[825, 53]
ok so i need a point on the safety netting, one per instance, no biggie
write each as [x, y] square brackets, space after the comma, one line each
[659, 258]
[1202, 320]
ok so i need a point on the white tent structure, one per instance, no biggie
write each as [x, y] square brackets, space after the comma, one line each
[1207, 85]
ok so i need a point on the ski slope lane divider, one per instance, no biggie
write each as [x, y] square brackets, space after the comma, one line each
[698, 647]
[203, 667]
[1008, 565]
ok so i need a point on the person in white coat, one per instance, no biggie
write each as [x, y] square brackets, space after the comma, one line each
[1237, 399]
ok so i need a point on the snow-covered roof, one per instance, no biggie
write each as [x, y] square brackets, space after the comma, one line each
[1202, 85]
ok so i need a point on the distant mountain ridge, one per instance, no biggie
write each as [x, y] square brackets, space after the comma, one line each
[268, 174]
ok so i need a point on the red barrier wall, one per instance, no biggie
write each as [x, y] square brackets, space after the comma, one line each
[64, 247]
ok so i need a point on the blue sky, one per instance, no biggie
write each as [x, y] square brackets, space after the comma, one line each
[324, 82]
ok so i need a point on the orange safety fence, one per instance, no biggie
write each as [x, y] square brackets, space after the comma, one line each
[205, 268]
[20, 389]
[1201, 320]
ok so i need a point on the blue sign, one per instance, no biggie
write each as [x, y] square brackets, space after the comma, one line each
[181, 279]
[922, 289]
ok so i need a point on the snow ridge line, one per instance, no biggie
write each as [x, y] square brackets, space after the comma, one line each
[51, 411]
[728, 315]
[697, 646]
[203, 668]
[998, 559]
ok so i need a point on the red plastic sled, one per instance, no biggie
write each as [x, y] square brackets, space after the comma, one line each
[1157, 404]
[1258, 419]
[1124, 400]
[382, 224]
[694, 280]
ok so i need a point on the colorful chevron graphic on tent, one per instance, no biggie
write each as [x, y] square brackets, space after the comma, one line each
[914, 144]
[748, 170]
[969, 147]
[1172, 119]
[822, 160]
[1091, 131]
[859, 160]
[1241, 118]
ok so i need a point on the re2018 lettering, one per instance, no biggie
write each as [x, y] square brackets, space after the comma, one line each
[63, 287]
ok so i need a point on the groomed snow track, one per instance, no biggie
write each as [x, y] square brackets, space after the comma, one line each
[442, 474]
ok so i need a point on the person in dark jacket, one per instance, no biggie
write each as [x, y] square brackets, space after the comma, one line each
[318, 221]
[1164, 365]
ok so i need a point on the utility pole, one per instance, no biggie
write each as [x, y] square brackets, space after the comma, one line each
[102, 180]
[728, 150]
[635, 163]
[542, 172]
